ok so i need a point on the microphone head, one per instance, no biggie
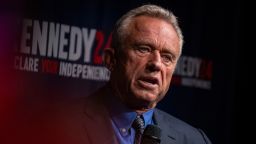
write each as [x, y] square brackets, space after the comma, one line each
[153, 133]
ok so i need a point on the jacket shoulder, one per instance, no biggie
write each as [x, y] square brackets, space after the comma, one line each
[185, 132]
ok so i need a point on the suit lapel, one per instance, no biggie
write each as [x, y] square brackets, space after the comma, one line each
[169, 135]
[97, 122]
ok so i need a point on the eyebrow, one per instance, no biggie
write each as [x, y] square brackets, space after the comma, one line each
[151, 45]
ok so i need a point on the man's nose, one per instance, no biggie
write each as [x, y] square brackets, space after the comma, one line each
[154, 62]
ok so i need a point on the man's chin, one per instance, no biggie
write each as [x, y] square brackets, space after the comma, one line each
[143, 106]
[147, 99]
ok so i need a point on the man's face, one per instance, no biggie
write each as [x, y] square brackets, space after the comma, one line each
[148, 59]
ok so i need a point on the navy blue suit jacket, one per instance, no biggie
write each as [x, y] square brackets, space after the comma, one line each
[97, 125]
[175, 131]
[86, 121]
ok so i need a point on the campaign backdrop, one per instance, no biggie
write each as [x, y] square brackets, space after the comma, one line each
[60, 47]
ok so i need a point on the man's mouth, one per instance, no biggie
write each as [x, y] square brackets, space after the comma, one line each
[148, 82]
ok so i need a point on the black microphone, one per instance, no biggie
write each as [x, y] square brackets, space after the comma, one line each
[151, 135]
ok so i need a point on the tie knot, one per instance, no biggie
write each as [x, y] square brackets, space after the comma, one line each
[138, 124]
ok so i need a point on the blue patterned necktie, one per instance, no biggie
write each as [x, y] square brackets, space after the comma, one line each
[138, 125]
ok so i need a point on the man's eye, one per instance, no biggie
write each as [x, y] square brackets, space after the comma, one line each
[143, 49]
[167, 58]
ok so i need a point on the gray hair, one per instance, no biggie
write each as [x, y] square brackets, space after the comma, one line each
[120, 29]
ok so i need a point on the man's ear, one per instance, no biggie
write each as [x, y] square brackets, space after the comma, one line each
[109, 58]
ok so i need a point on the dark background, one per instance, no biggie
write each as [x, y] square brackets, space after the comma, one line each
[211, 31]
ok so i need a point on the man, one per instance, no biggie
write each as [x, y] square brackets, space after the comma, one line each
[146, 45]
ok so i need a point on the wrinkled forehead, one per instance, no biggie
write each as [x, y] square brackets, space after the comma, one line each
[152, 30]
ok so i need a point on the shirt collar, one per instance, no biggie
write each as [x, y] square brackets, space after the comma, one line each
[122, 116]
